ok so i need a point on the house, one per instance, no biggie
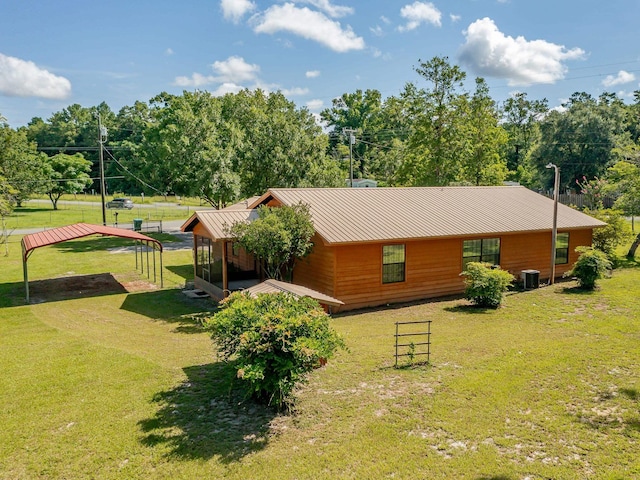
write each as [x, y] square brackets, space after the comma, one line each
[361, 183]
[374, 246]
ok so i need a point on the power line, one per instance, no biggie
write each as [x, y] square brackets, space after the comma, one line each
[134, 176]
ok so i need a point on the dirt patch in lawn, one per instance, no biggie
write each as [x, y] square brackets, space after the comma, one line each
[80, 286]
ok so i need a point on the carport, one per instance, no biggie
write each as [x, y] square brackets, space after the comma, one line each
[78, 230]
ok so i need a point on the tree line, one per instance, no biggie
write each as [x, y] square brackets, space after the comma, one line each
[433, 133]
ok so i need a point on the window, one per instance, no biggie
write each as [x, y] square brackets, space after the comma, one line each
[484, 250]
[562, 248]
[393, 263]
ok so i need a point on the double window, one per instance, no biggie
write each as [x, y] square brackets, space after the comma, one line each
[393, 263]
[483, 250]
[562, 248]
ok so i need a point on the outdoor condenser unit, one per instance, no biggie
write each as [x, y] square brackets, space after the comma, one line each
[531, 279]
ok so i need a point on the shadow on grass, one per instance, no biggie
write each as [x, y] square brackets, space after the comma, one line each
[576, 290]
[206, 417]
[75, 286]
[21, 211]
[471, 309]
[495, 477]
[12, 294]
[173, 307]
[184, 271]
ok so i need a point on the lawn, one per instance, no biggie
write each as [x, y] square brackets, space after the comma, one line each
[127, 385]
[39, 212]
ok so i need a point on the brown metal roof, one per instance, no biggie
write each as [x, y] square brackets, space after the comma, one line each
[216, 222]
[345, 215]
[276, 286]
[77, 230]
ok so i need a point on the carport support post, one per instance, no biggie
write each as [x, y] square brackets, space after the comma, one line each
[25, 258]
[147, 245]
[161, 277]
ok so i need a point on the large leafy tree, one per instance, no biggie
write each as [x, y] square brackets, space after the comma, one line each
[280, 145]
[433, 150]
[124, 148]
[361, 113]
[521, 118]
[21, 166]
[67, 174]
[278, 237]
[72, 130]
[188, 147]
[581, 139]
[480, 159]
[624, 180]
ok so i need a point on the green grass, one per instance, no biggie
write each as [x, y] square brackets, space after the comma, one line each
[42, 215]
[128, 386]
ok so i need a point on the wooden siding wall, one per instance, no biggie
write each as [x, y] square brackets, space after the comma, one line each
[432, 267]
[316, 271]
[533, 251]
[432, 270]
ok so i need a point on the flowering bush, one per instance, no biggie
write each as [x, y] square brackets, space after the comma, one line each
[274, 339]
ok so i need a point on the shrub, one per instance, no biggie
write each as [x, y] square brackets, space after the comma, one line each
[616, 233]
[486, 285]
[592, 265]
[275, 340]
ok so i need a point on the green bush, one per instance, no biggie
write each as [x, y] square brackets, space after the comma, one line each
[616, 233]
[275, 340]
[592, 265]
[486, 285]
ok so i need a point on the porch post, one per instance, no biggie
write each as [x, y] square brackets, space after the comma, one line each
[225, 279]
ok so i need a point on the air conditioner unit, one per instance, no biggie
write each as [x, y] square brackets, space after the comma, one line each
[530, 279]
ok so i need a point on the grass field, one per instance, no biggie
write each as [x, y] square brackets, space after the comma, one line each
[39, 212]
[127, 385]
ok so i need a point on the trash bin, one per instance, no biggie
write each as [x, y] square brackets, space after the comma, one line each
[531, 279]
[137, 224]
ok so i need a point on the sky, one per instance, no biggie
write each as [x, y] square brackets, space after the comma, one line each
[57, 53]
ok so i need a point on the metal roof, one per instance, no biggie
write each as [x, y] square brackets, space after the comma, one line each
[346, 215]
[77, 230]
[216, 222]
[276, 286]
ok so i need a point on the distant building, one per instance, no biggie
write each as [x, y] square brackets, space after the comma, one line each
[362, 183]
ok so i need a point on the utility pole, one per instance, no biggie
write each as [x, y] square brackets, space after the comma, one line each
[102, 137]
[554, 231]
[352, 140]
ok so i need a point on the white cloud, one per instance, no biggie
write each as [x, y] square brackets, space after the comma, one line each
[232, 71]
[315, 104]
[620, 79]
[293, 92]
[377, 31]
[454, 18]
[312, 74]
[327, 7]
[418, 13]
[492, 53]
[227, 88]
[310, 25]
[234, 10]
[168, 52]
[385, 19]
[21, 78]
[235, 69]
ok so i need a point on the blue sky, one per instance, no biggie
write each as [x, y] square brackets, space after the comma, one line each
[56, 53]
